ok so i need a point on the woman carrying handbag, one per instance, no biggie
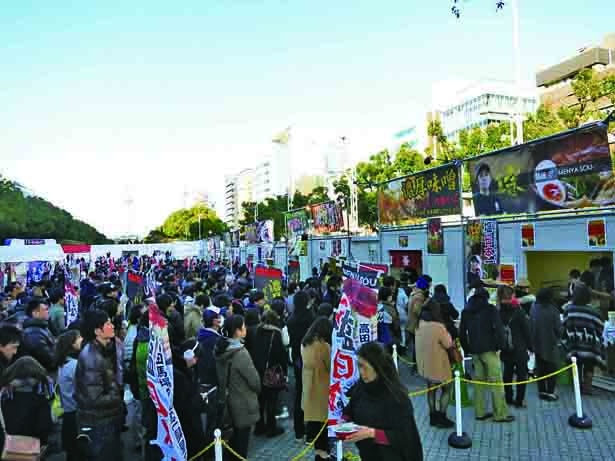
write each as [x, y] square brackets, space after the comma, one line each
[271, 361]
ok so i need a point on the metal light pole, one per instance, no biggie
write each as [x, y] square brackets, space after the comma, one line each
[517, 64]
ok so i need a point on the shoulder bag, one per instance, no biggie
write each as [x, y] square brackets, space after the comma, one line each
[19, 447]
[273, 378]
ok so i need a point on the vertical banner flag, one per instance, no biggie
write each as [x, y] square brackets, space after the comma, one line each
[528, 234]
[269, 281]
[71, 303]
[170, 437]
[489, 242]
[596, 233]
[134, 282]
[149, 287]
[355, 324]
[481, 250]
[435, 236]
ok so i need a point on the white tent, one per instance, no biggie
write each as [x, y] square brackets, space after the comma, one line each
[27, 253]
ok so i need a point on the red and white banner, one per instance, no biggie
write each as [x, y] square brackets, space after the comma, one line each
[170, 438]
[355, 325]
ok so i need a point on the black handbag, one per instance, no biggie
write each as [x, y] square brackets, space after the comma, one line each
[273, 377]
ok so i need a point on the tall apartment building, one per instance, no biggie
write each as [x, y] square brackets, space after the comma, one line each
[478, 104]
[554, 82]
[239, 188]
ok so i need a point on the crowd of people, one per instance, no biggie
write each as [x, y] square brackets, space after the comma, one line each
[233, 353]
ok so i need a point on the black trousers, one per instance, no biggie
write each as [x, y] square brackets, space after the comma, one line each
[312, 428]
[298, 422]
[70, 431]
[239, 442]
[268, 406]
[515, 370]
[543, 368]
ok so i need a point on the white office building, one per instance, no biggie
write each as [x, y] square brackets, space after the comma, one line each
[467, 105]
[238, 188]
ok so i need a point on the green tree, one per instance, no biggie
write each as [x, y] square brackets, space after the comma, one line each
[318, 195]
[184, 224]
[544, 122]
[26, 216]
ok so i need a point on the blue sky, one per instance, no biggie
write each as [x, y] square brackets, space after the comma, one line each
[101, 97]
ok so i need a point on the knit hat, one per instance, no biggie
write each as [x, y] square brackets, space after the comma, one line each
[422, 283]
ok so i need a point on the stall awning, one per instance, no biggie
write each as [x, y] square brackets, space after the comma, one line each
[77, 248]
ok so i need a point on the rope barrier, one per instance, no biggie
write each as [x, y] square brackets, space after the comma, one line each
[527, 381]
[307, 449]
[310, 446]
[233, 452]
[429, 389]
[203, 451]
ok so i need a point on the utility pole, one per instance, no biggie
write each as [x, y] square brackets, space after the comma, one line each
[517, 64]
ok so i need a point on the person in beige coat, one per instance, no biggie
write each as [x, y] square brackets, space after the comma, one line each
[316, 355]
[432, 343]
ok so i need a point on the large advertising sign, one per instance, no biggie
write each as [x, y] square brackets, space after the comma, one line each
[259, 232]
[269, 281]
[327, 218]
[297, 226]
[297, 222]
[571, 170]
[427, 194]
[355, 324]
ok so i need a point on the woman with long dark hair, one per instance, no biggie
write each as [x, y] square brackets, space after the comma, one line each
[298, 325]
[316, 356]
[379, 403]
[269, 353]
[67, 353]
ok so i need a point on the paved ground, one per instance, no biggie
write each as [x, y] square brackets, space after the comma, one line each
[540, 432]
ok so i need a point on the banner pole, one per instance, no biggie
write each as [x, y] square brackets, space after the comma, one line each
[218, 444]
[395, 357]
[578, 420]
[340, 450]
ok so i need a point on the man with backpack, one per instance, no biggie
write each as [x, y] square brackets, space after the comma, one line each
[482, 335]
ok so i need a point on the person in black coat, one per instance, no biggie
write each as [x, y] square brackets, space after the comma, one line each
[515, 359]
[447, 310]
[269, 353]
[38, 341]
[298, 325]
[186, 397]
[26, 407]
[379, 403]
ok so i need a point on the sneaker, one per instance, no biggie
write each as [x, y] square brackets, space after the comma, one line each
[508, 419]
[284, 414]
[485, 417]
[276, 432]
[552, 397]
[433, 419]
[543, 396]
